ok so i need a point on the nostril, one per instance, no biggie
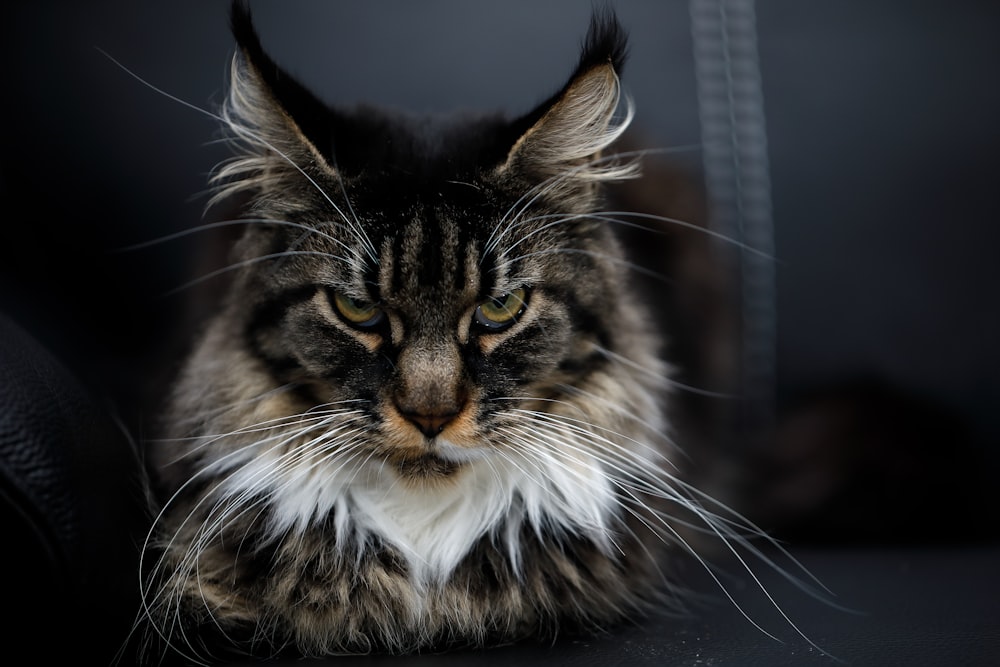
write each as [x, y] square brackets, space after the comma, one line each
[430, 411]
[430, 424]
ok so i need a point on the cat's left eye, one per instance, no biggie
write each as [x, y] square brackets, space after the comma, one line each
[501, 312]
[357, 313]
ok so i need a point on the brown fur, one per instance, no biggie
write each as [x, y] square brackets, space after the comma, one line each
[286, 410]
[368, 600]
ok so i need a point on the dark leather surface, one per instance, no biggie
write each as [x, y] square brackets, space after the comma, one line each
[36, 425]
[70, 508]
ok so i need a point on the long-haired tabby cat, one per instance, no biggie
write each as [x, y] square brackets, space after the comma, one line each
[430, 409]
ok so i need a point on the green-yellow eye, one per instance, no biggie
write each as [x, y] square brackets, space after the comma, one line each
[499, 313]
[361, 314]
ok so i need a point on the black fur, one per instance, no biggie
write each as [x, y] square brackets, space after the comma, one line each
[371, 140]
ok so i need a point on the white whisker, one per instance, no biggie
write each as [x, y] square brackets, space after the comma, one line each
[239, 222]
[206, 440]
[661, 378]
[241, 166]
[604, 257]
[255, 260]
[658, 483]
[530, 197]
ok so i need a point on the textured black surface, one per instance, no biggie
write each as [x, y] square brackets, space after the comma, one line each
[35, 431]
[70, 508]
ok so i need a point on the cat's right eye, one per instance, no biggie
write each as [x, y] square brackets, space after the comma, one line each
[355, 312]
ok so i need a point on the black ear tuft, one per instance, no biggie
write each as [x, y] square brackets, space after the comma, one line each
[606, 42]
[241, 21]
[309, 113]
[566, 135]
[283, 87]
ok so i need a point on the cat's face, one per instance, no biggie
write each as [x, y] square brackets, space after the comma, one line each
[434, 282]
[435, 310]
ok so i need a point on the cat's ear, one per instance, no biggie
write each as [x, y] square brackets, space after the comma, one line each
[279, 126]
[565, 138]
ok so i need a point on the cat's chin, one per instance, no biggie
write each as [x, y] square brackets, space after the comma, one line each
[437, 459]
[426, 467]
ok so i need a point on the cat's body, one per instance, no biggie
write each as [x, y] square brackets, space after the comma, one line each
[431, 410]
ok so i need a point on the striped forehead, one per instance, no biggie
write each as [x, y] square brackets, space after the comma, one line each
[431, 253]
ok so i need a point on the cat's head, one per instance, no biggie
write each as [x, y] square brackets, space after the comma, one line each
[438, 279]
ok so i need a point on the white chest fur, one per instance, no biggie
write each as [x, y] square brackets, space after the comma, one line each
[435, 525]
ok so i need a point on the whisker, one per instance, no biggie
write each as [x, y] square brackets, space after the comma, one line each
[366, 241]
[209, 439]
[583, 427]
[710, 521]
[632, 266]
[615, 218]
[612, 216]
[253, 260]
[218, 224]
[234, 169]
[236, 405]
[239, 104]
[620, 410]
[655, 482]
[543, 466]
[661, 378]
[646, 485]
[211, 470]
[533, 194]
[212, 526]
[549, 438]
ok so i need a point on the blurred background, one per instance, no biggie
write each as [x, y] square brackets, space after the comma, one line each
[883, 143]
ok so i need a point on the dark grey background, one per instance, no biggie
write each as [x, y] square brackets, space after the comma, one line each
[883, 133]
[884, 143]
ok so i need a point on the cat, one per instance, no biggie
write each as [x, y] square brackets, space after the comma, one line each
[431, 409]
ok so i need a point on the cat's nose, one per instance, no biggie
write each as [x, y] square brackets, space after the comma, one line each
[430, 424]
[432, 390]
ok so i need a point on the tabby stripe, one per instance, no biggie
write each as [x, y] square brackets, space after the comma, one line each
[467, 276]
[583, 319]
[460, 252]
[488, 273]
[384, 273]
[268, 315]
[279, 368]
[396, 280]
[584, 366]
[449, 251]
[432, 257]
[412, 262]
[271, 311]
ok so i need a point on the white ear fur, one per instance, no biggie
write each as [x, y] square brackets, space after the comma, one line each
[267, 142]
[570, 137]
